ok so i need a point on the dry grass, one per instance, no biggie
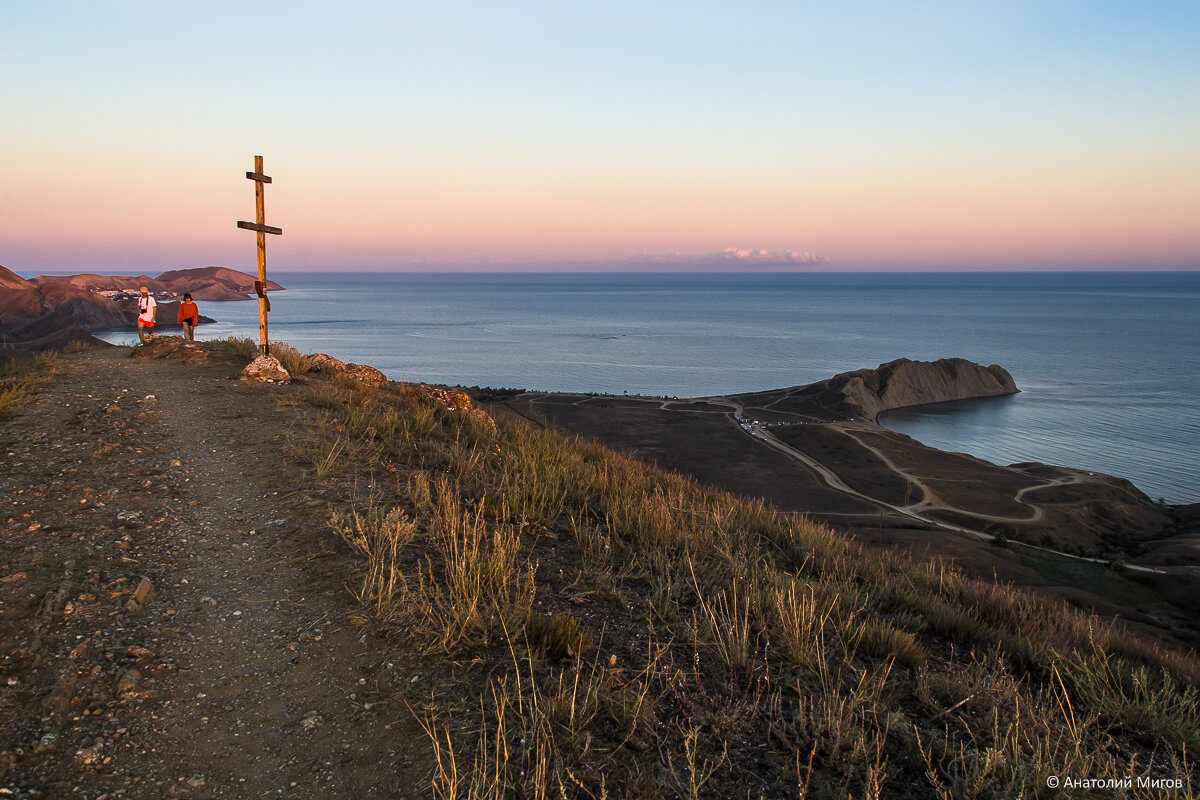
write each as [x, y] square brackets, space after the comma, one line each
[380, 536]
[734, 651]
[244, 349]
[480, 586]
[21, 379]
[879, 640]
[240, 347]
[295, 362]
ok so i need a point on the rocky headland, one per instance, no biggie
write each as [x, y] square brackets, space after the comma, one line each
[867, 393]
[902, 383]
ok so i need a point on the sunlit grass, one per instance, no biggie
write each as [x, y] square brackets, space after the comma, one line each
[22, 378]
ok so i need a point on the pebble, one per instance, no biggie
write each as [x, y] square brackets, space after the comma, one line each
[127, 682]
[143, 591]
[88, 755]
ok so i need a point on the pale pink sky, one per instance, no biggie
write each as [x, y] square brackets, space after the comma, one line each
[1015, 137]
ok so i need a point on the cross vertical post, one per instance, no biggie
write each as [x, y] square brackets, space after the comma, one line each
[261, 227]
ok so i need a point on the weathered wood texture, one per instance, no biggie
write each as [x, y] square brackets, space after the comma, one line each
[261, 228]
[254, 226]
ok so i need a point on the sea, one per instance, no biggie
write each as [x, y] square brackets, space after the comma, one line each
[1107, 362]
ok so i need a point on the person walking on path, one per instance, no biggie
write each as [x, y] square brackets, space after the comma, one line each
[189, 315]
[147, 308]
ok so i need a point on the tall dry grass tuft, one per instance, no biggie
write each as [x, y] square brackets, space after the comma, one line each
[880, 640]
[1134, 696]
[325, 448]
[22, 378]
[802, 622]
[295, 362]
[481, 585]
[844, 724]
[531, 739]
[239, 347]
[380, 536]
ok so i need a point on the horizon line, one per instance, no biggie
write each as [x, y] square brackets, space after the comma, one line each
[551, 268]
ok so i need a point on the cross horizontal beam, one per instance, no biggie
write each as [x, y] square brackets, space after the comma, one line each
[254, 226]
[258, 176]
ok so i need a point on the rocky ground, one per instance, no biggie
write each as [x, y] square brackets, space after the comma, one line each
[173, 619]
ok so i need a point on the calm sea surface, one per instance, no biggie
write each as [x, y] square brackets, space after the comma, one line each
[1107, 362]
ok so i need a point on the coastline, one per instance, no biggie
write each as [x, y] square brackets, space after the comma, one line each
[1087, 404]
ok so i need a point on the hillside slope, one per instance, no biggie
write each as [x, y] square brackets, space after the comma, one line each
[558, 619]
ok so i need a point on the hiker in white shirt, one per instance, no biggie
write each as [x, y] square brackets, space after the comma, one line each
[146, 311]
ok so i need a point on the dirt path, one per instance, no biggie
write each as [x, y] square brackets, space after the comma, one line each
[932, 501]
[239, 674]
[831, 479]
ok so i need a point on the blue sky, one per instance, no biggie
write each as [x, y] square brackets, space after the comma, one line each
[921, 135]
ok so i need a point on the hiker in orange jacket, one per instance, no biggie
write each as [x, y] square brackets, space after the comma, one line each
[189, 315]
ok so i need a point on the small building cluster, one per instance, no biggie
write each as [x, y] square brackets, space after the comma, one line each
[118, 295]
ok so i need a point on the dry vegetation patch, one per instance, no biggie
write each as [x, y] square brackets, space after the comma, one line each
[20, 379]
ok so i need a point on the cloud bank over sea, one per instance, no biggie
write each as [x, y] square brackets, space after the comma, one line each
[736, 256]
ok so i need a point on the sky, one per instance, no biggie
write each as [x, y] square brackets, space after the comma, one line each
[564, 135]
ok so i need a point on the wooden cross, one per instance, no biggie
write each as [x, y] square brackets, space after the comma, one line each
[260, 285]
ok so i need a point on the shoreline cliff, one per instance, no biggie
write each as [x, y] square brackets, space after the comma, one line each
[904, 383]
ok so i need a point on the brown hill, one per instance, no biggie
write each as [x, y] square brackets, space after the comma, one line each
[90, 310]
[18, 304]
[11, 280]
[48, 314]
[213, 283]
[51, 330]
[22, 301]
[92, 282]
[204, 283]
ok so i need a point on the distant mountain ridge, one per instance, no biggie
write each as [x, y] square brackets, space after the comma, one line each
[203, 283]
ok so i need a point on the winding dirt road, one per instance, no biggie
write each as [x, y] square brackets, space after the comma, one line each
[930, 500]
